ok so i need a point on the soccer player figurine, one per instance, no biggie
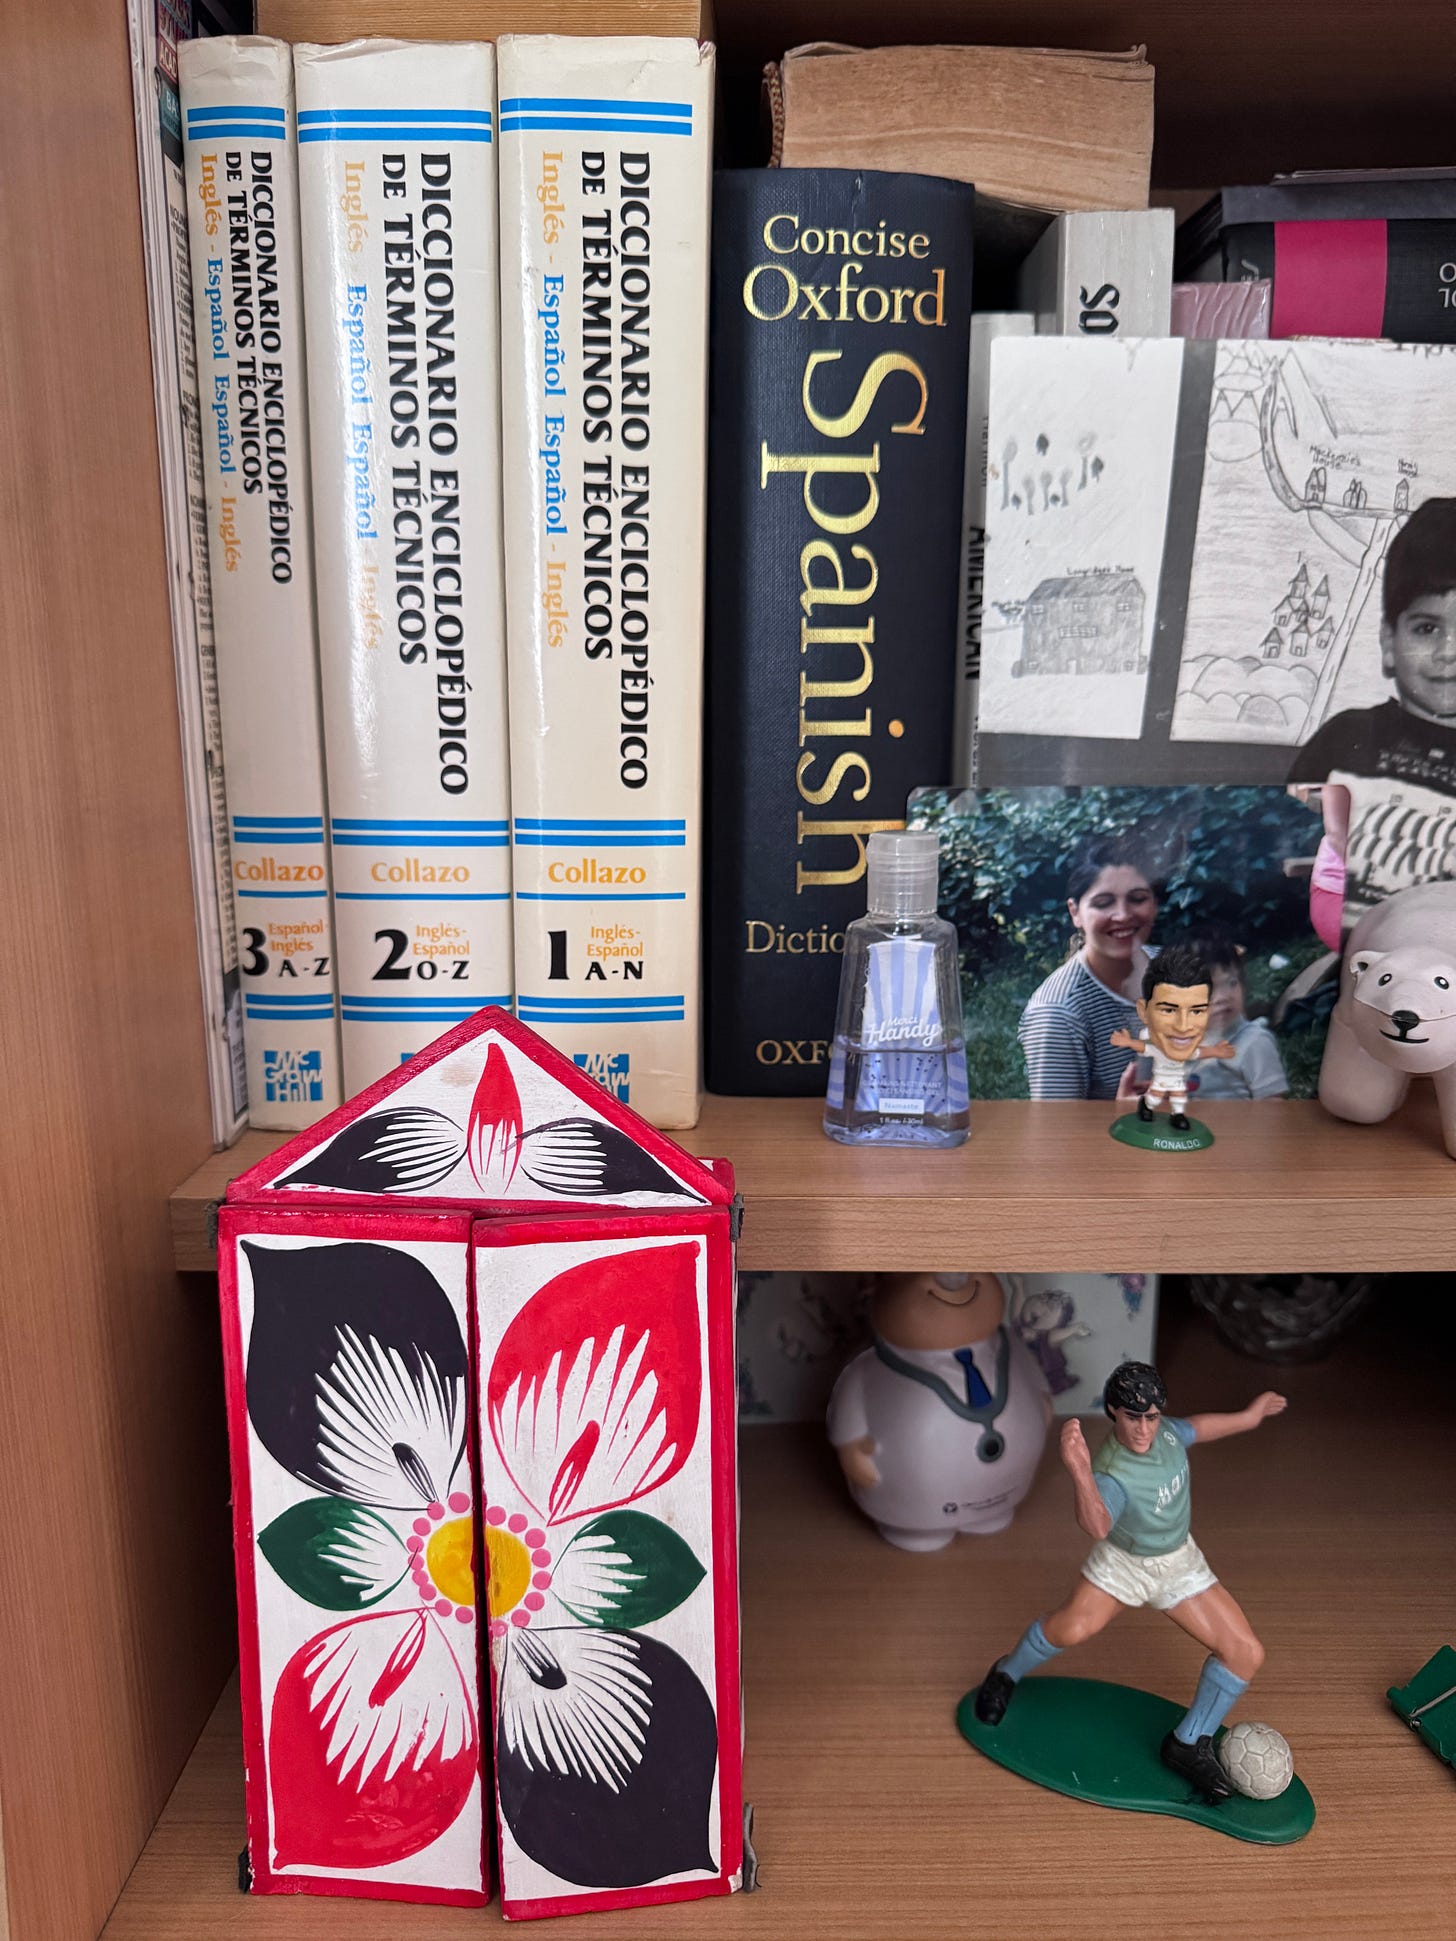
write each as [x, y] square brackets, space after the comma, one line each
[1177, 991]
[1132, 1500]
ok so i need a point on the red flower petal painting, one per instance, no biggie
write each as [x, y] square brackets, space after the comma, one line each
[493, 1134]
[372, 1746]
[595, 1389]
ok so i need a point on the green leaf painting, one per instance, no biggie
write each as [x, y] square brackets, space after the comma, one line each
[337, 1555]
[625, 1569]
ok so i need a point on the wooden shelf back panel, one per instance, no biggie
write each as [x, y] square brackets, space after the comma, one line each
[1041, 1188]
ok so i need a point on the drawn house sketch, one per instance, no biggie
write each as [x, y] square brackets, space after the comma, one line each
[1084, 624]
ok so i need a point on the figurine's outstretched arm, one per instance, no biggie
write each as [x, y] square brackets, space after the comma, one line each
[1213, 1428]
[1092, 1512]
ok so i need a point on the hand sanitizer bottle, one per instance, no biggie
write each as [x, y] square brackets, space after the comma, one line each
[897, 1076]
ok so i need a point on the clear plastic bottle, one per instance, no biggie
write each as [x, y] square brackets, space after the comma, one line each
[897, 1076]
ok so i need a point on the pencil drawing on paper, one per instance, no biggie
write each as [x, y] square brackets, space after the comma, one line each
[1280, 437]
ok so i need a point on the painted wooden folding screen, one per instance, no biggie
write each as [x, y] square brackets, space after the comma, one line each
[483, 1252]
[606, 1422]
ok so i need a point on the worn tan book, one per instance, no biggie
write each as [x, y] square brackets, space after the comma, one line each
[1036, 127]
[339, 20]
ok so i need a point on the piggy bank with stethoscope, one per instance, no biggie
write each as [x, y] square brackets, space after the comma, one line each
[940, 1424]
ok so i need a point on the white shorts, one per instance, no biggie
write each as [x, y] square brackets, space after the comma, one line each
[1160, 1582]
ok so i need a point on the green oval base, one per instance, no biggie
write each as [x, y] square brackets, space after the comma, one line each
[1100, 1743]
[1160, 1136]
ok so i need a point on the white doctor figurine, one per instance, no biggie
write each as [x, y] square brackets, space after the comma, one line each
[940, 1425]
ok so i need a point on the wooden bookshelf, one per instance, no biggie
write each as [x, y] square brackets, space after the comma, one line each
[1042, 1188]
[875, 1822]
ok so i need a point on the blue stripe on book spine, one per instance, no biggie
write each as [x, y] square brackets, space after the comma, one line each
[583, 103]
[601, 124]
[385, 133]
[317, 117]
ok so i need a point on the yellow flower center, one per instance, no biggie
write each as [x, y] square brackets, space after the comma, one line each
[447, 1558]
[510, 1570]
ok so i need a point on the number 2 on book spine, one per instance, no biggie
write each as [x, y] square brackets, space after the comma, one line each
[398, 945]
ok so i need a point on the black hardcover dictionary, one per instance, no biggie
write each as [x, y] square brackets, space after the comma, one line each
[841, 322]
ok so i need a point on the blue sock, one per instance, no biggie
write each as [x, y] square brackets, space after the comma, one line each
[1217, 1690]
[1035, 1649]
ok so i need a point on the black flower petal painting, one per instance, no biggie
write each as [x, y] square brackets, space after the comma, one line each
[357, 1371]
[589, 1159]
[606, 1753]
[406, 1150]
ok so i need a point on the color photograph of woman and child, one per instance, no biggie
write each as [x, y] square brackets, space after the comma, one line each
[1062, 897]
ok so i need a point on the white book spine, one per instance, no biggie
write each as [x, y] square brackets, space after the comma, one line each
[184, 516]
[1102, 273]
[605, 208]
[986, 327]
[242, 192]
[398, 200]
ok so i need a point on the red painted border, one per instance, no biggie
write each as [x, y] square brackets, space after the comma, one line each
[382, 1225]
[246, 1188]
[721, 1296]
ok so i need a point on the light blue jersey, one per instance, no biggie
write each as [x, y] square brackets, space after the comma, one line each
[1147, 1496]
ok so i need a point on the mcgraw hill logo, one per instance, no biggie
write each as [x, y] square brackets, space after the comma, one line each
[610, 1069]
[293, 1077]
[1098, 316]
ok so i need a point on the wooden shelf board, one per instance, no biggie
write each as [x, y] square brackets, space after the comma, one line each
[1333, 1526]
[1041, 1188]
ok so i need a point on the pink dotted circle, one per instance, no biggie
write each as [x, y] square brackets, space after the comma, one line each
[534, 1601]
[540, 1557]
[497, 1627]
[443, 1607]
[517, 1523]
[414, 1543]
[542, 1580]
[427, 1592]
[437, 1510]
[459, 1502]
[495, 1514]
[465, 1616]
[533, 1539]
[521, 1618]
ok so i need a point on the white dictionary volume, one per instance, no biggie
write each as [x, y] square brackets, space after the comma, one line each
[242, 192]
[605, 171]
[398, 198]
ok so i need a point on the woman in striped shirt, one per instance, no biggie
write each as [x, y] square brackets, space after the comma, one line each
[1065, 1029]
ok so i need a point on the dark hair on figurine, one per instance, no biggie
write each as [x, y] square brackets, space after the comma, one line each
[1179, 965]
[1420, 559]
[1134, 1385]
[1109, 852]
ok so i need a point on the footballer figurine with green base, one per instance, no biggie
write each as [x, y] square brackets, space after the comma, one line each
[1177, 991]
[1098, 1741]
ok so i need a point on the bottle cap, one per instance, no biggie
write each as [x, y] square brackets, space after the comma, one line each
[904, 872]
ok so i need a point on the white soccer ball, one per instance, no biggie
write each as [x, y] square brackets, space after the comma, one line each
[1257, 1760]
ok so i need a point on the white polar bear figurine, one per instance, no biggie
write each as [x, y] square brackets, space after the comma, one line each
[1395, 1018]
